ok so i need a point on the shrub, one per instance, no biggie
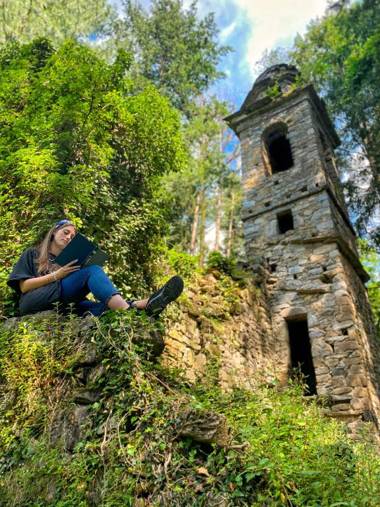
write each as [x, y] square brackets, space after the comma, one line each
[226, 265]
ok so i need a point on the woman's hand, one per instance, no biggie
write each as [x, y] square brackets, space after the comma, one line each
[40, 281]
[65, 270]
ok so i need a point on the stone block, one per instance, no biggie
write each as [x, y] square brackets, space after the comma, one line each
[341, 407]
[359, 404]
[174, 345]
[355, 361]
[317, 259]
[344, 313]
[339, 370]
[360, 392]
[322, 370]
[321, 348]
[346, 346]
[357, 368]
[188, 357]
[357, 380]
[323, 390]
[315, 333]
[342, 293]
[200, 362]
[342, 398]
[338, 381]
[338, 391]
[319, 363]
[323, 379]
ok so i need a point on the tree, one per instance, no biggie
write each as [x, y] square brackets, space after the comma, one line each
[24, 20]
[341, 54]
[78, 140]
[233, 200]
[371, 261]
[191, 190]
[204, 195]
[272, 57]
[174, 49]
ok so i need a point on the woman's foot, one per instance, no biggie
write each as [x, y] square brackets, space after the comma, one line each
[168, 293]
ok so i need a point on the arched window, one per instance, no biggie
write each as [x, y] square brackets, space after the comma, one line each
[278, 152]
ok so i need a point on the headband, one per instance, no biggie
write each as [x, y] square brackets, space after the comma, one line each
[63, 222]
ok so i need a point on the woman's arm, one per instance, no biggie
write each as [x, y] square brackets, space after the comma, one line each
[40, 281]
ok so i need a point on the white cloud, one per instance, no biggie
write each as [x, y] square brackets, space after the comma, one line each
[227, 31]
[274, 21]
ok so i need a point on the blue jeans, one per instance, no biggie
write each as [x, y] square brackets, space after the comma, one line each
[76, 286]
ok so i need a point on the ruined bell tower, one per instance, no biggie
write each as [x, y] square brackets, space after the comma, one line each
[301, 244]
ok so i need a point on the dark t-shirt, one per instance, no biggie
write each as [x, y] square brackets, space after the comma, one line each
[35, 300]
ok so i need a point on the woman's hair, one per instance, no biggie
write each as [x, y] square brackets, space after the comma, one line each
[44, 265]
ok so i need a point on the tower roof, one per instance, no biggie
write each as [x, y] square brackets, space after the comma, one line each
[281, 75]
[279, 83]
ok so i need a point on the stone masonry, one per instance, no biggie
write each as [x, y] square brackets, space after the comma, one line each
[233, 336]
[301, 245]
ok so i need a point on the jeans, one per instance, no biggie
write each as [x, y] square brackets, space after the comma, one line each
[76, 286]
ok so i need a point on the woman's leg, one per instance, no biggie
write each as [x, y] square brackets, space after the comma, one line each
[86, 306]
[76, 286]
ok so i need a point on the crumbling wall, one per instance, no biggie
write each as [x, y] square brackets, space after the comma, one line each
[224, 326]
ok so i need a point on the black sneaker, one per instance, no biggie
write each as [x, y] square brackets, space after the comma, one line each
[168, 293]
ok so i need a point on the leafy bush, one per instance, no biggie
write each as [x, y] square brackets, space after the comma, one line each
[226, 265]
[79, 138]
[183, 263]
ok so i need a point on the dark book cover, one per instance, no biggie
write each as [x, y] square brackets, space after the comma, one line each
[82, 249]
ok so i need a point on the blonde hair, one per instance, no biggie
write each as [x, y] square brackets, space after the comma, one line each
[44, 265]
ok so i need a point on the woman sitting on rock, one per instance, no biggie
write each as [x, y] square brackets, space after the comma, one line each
[41, 283]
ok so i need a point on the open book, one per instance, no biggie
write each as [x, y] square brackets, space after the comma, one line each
[82, 249]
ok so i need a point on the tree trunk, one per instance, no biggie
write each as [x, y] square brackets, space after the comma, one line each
[231, 226]
[202, 228]
[218, 218]
[194, 226]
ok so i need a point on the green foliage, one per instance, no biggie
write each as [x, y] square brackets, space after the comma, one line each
[340, 54]
[183, 263]
[24, 21]
[273, 92]
[216, 260]
[371, 261]
[176, 50]
[206, 189]
[79, 140]
[226, 265]
[282, 451]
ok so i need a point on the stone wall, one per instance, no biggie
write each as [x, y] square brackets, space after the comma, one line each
[328, 292]
[311, 217]
[343, 230]
[221, 325]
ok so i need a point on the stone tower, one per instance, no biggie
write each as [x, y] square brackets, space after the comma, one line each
[301, 244]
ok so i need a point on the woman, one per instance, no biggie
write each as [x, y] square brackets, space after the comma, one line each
[41, 283]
